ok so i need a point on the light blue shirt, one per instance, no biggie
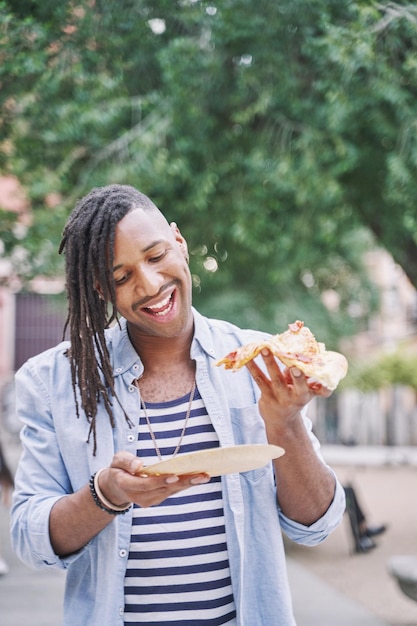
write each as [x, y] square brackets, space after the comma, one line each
[57, 460]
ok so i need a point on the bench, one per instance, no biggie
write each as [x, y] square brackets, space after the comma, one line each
[404, 570]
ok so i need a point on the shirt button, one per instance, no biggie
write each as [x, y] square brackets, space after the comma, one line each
[131, 438]
[121, 611]
[122, 553]
[118, 370]
[131, 389]
[136, 367]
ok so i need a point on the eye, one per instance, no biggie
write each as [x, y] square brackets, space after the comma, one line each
[155, 258]
[121, 279]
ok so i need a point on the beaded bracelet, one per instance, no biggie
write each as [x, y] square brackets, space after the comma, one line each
[101, 501]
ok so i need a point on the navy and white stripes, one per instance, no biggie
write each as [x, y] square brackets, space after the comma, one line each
[178, 568]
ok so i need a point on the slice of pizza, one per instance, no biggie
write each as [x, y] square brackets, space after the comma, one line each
[296, 347]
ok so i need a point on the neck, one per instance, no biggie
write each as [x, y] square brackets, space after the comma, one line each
[160, 353]
[169, 372]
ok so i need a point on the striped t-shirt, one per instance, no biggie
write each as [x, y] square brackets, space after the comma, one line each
[178, 567]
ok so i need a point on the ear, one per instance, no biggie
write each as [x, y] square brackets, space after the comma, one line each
[99, 290]
[180, 240]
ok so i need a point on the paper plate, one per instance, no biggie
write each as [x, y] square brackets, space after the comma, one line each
[217, 461]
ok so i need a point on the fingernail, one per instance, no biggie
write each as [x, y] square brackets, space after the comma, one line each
[265, 351]
[200, 480]
[296, 372]
[170, 480]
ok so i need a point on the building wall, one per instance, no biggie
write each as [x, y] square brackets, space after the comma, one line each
[39, 324]
[29, 324]
[7, 318]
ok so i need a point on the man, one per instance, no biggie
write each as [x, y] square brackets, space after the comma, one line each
[191, 551]
[362, 532]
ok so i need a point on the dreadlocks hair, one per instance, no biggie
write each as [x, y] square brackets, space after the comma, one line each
[88, 242]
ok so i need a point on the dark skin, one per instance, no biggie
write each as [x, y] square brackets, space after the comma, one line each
[304, 484]
[153, 286]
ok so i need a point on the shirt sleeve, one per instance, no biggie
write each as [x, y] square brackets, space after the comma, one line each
[41, 479]
[319, 531]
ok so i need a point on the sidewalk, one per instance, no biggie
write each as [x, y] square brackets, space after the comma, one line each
[27, 596]
[318, 604]
[385, 481]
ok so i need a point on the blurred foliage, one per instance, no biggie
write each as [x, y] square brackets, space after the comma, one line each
[280, 136]
[398, 368]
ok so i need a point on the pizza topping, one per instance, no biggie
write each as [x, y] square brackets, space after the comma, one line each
[296, 347]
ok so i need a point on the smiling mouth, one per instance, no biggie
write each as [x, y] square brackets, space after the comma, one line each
[161, 308]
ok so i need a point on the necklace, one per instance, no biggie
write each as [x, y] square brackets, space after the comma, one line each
[152, 434]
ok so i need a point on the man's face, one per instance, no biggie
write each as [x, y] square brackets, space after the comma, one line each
[151, 274]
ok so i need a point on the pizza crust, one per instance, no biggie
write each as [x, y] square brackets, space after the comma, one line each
[296, 347]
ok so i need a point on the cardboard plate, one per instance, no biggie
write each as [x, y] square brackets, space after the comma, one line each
[217, 461]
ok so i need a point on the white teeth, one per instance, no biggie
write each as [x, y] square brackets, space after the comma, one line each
[160, 305]
[162, 313]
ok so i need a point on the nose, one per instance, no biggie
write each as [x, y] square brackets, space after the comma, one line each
[149, 281]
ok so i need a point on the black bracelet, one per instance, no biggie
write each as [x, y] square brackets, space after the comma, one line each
[100, 504]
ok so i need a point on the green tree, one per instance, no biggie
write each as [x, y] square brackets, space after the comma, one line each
[280, 136]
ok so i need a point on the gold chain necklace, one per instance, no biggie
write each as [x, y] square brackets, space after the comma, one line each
[152, 434]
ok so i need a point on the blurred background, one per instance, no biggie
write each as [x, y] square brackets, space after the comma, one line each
[282, 138]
